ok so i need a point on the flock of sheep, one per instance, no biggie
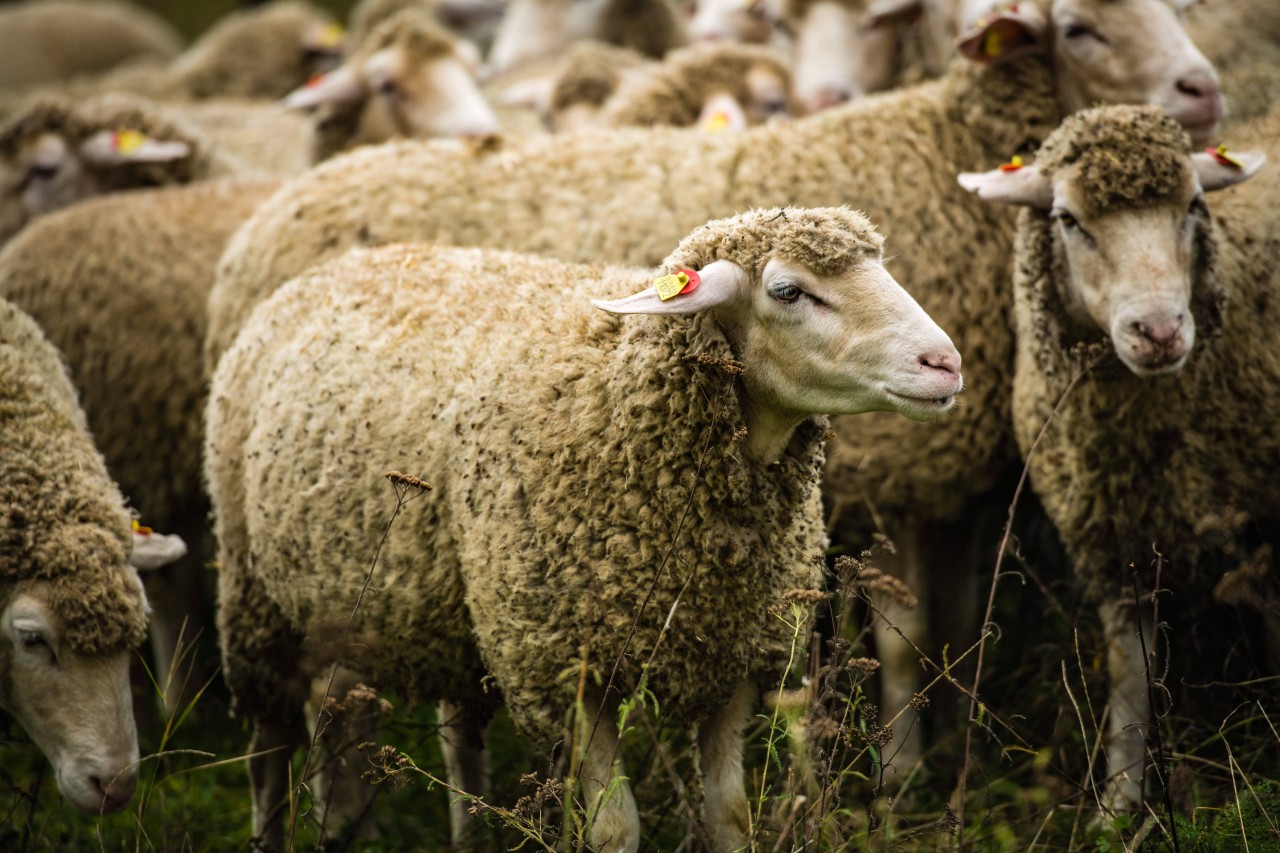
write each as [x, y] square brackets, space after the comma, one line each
[621, 323]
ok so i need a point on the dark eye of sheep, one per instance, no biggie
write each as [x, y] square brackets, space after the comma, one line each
[41, 172]
[31, 639]
[785, 291]
[774, 106]
[1077, 32]
[388, 88]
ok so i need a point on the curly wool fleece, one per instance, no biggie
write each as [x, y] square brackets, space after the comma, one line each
[62, 520]
[579, 459]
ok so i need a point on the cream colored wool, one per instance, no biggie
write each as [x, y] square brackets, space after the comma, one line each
[51, 41]
[62, 520]
[1131, 463]
[260, 136]
[675, 92]
[590, 75]
[76, 121]
[120, 285]
[255, 53]
[569, 451]
[1242, 39]
[367, 15]
[594, 198]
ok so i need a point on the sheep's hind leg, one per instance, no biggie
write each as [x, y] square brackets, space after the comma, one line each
[467, 766]
[720, 741]
[348, 715]
[270, 749]
[614, 823]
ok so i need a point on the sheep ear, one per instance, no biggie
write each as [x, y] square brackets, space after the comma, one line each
[722, 112]
[1022, 185]
[721, 283]
[1004, 35]
[886, 12]
[340, 86]
[153, 550]
[1219, 169]
[118, 147]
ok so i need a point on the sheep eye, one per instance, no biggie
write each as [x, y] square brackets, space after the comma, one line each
[31, 639]
[774, 106]
[1077, 31]
[388, 88]
[1066, 219]
[41, 172]
[785, 291]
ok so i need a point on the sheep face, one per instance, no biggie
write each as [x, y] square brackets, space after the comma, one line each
[838, 58]
[77, 707]
[752, 22]
[1108, 52]
[48, 171]
[1126, 204]
[848, 342]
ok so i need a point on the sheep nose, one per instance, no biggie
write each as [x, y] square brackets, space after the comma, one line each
[947, 362]
[1162, 334]
[1202, 87]
[830, 96]
[116, 791]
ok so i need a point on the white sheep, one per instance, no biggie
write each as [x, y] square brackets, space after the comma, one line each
[71, 607]
[571, 452]
[1119, 246]
[120, 285]
[56, 152]
[592, 197]
[52, 41]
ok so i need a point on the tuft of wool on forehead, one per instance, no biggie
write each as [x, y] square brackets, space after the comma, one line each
[1125, 156]
[827, 241]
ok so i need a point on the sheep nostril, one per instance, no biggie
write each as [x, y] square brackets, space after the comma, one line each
[946, 362]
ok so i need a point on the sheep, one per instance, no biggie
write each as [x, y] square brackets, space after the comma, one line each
[535, 29]
[563, 447]
[72, 607]
[845, 49]
[50, 41]
[588, 198]
[475, 20]
[685, 89]
[1118, 245]
[1242, 38]
[56, 152]
[574, 94]
[255, 53]
[409, 77]
[119, 285]
[753, 22]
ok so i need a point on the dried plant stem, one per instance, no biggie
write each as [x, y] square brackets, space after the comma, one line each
[962, 785]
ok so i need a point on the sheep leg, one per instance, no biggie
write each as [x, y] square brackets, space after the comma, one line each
[342, 798]
[270, 748]
[178, 636]
[899, 662]
[725, 806]
[614, 823]
[467, 768]
[1125, 737]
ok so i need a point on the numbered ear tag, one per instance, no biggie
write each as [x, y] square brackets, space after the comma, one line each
[1220, 154]
[140, 530]
[717, 121]
[1014, 164]
[672, 285]
[127, 141]
[991, 44]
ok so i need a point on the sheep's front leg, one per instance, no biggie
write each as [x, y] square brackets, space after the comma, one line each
[467, 769]
[1127, 694]
[725, 806]
[614, 823]
[270, 748]
[899, 662]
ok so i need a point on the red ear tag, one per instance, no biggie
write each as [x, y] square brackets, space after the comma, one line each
[694, 281]
[313, 81]
[1220, 154]
[1014, 164]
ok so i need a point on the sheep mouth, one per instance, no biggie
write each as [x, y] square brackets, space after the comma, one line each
[924, 408]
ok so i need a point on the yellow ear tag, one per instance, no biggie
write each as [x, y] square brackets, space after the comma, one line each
[716, 122]
[127, 141]
[670, 285]
[1220, 154]
[331, 35]
[991, 43]
[140, 530]
[1014, 164]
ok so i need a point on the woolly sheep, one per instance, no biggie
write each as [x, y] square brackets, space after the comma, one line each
[410, 77]
[49, 41]
[752, 22]
[71, 607]
[57, 152]
[1119, 246]
[120, 285]
[535, 29]
[265, 52]
[753, 83]
[589, 198]
[475, 20]
[564, 447]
